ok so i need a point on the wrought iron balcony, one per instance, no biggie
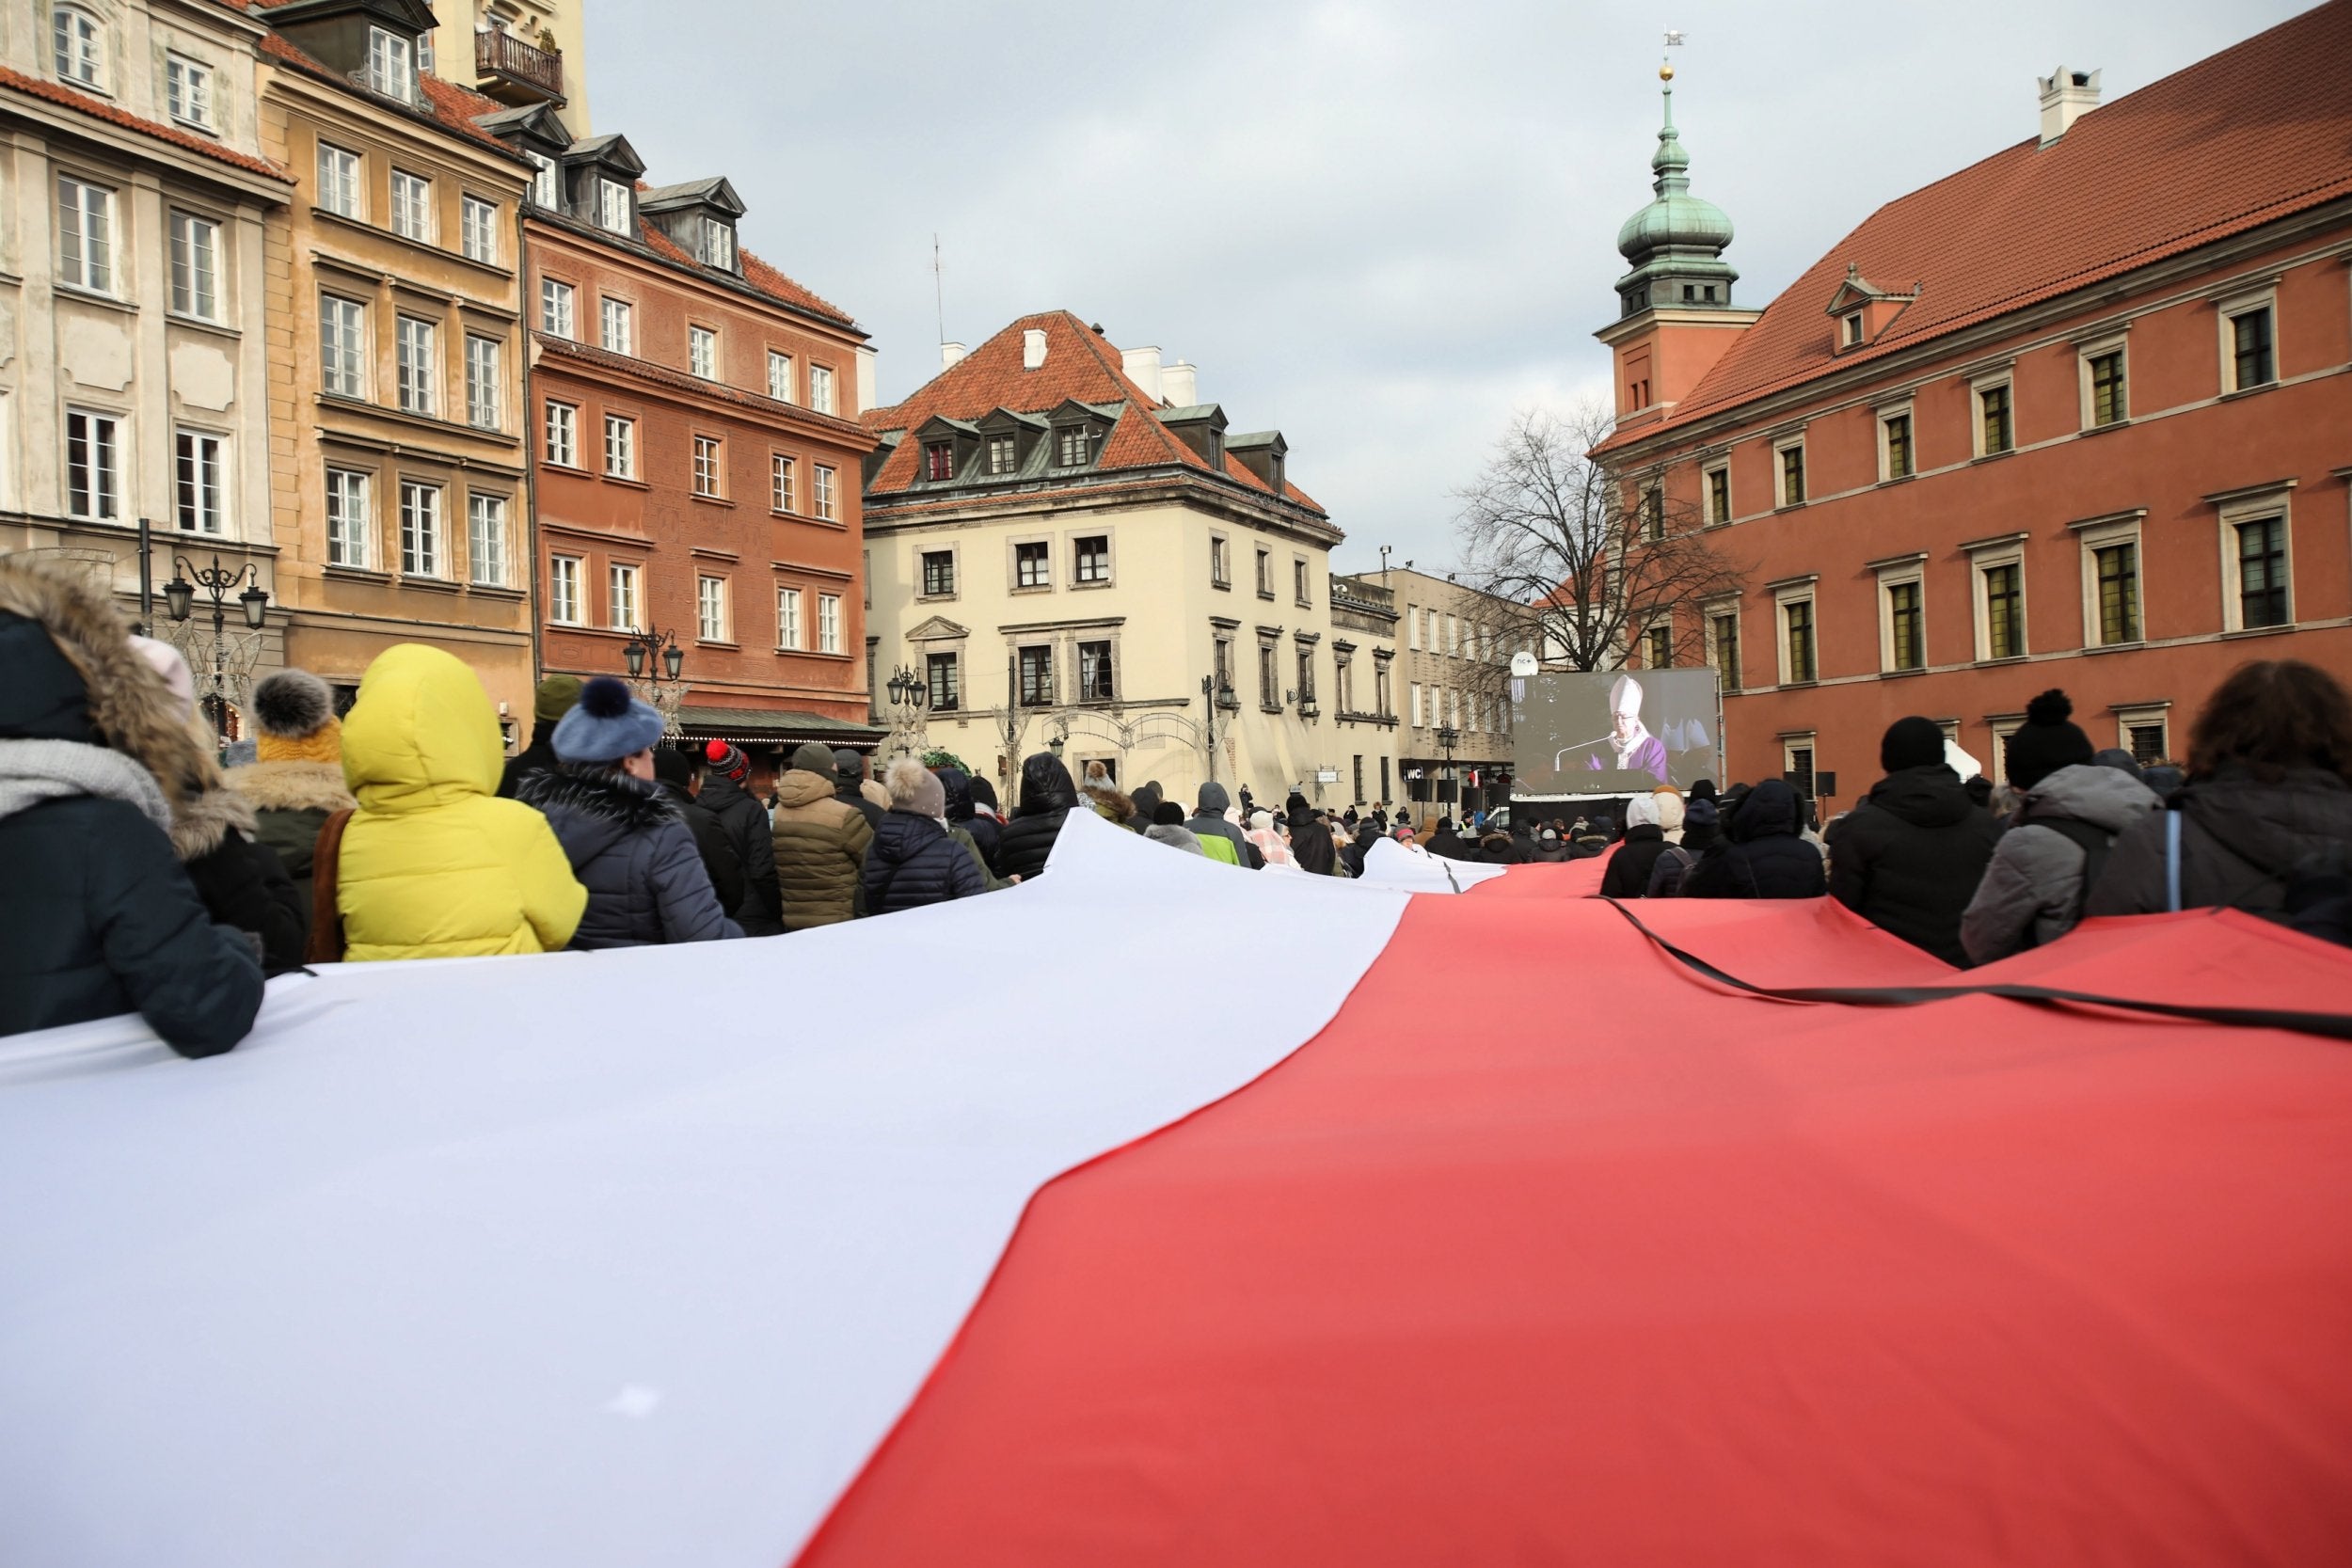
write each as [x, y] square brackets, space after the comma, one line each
[527, 74]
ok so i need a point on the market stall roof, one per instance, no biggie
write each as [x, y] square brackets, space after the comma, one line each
[773, 727]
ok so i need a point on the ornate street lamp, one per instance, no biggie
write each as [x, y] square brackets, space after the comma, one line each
[232, 657]
[1447, 737]
[659, 649]
[909, 693]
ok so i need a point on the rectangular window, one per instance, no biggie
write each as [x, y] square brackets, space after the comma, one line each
[1036, 677]
[619, 321]
[547, 184]
[412, 206]
[78, 51]
[343, 347]
[710, 608]
[485, 539]
[939, 573]
[86, 235]
[939, 460]
[2004, 612]
[1298, 583]
[779, 377]
[1797, 617]
[416, 356]
[718, 243]
[478, 229]
[702, 352]
[2261, 572]
[555, 307]
[1723, 632]
[1906, 634]
[2117, 567]
[563, 435]
[2249, 341]
[1095, 558]
[1997, 432]
[1718, 496]
[612, 207]
[1004, 455]
[1222, 659]
[484, 382]
[1306, 688]
[391, 64]
[821, 390]
[1032, 565]
[1658, 648]
[1898, 429]
[828, 623]
[1797, 766]
[1653, 515]
[944, 678]
[1094, 673]
[563, 607]
[824, 485]
[93, 466]
[195, 266]
[1218, 573]
[2107, 401]
[2148, 743]
[1071, 446]
[1269, 682]
[780, 483]
[339, 182]
[197, 488]
[1265, 574]
[620, 447]
[1380, 690]
[1792, 476]
[709, 466]
[789, 619]
[1416, 707]
[420, 530]
[350, 517]
[621, 588]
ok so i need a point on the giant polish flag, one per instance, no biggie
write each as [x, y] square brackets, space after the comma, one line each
[1154, 1212]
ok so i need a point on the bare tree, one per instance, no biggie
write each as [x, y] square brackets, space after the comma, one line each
[1598, 557]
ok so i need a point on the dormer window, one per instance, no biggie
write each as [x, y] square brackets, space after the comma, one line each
[612, 207]
[1072, 446]
[1853, 329]
[939, 460]
[391, 64]
[545, 186]
[718, 244]
[80, 48]
[1003, 454]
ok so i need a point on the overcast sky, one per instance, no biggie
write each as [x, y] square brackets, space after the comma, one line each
[1378, 227]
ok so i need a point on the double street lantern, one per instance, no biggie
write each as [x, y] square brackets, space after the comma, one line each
[231, 656]
[1214, 696]
[646, 645]
[215, 579]
[908, 695]
[1447, 737]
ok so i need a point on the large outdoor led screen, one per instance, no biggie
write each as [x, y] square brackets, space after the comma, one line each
[1614, 732]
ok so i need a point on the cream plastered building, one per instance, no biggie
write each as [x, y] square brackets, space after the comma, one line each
[1064, 544]
[133, 361]
[522, 53]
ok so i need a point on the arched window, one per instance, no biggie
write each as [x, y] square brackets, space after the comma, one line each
[80, 47]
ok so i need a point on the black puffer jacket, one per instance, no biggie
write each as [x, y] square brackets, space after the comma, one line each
[720, 861]
[985, 832]
[1628, 875]
[1047, 797]
[1760, 856]
[1909, 858]
[913, 863]
[632, 852]
[744, 820]
[99, 918]
[2242, 843]
[242, 882]
[1312, 846]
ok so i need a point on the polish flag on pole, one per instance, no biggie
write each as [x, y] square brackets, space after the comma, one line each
[1154, 1212]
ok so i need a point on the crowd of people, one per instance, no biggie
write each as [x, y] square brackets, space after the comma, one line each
[146, 878]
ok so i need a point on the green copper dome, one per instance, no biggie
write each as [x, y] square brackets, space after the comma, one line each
[1676, 244]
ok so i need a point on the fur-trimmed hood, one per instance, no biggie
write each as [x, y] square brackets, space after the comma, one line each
[201, 822]
[292, 786]
[592, 806]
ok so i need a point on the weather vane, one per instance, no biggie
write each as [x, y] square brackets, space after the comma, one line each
[1666, 65]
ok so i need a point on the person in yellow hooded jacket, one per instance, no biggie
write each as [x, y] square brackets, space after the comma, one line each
[434, 864]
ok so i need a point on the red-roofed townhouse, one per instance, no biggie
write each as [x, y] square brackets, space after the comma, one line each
[134, 363]
[396, 355]
[2077, 416]
[697, 452]
[1069, 549]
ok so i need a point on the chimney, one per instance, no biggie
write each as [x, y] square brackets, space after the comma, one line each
[1179, 385]
[865, 380]
[1143, 366]
[2066, 96]
[1033, 348]
[949, 354]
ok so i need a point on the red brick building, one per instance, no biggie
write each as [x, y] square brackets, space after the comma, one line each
[698, 451]
[2079, 415]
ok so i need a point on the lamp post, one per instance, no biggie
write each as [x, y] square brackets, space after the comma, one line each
[1447, 737]
[232, 658]
[664, 690]
[1214, 696]
[908, 695]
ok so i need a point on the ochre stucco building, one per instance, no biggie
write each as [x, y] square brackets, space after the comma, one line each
[2077, 416]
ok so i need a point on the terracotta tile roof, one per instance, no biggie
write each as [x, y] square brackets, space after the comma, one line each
[847, 432]
[1079, 366]
[100, 109]
[453, 108]
[758, 273]
[2252, 135]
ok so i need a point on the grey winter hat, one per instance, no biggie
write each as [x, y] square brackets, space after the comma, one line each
[849, 767]
[606, 725]
[291, 705]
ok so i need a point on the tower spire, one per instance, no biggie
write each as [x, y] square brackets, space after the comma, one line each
[1676, 244]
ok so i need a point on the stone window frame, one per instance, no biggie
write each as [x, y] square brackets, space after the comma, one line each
[2117, 342]
[1012, 562]
[1221, 562]
[1782, 445]
[1711, 611]
[726, 610]
[1110, 555]
[2093, 534]
[1707, 473]
[2233, 509]
[2002, 379]
[1984, 555]
[2131, 716]
[1804, 589]
[1904, 571]
[2227, 310]
[954, 552]
[1902, 409]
